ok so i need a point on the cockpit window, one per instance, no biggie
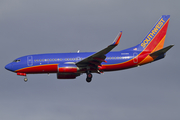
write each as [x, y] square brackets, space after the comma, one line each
[16, 60]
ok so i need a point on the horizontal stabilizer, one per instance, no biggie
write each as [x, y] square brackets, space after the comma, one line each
[161, 51]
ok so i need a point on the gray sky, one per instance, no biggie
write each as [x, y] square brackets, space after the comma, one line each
[150, 92]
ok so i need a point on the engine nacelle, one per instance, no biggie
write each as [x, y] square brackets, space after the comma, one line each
[67, 68]
[67, 75]
[67, 71]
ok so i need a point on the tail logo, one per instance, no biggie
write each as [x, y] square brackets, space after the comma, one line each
[152, 33]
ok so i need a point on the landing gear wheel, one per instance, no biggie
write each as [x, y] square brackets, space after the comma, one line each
[89, 77]
[88, 80]
[25, 79]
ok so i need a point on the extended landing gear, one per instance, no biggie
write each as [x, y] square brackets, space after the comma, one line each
[25, 79]
[23, 74]
[89, 77]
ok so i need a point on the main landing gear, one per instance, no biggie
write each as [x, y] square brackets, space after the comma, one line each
[89, 77]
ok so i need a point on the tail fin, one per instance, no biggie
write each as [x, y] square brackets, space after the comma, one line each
[154, 40]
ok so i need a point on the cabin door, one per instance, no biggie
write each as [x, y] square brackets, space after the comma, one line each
[135, 59]
[29, 60]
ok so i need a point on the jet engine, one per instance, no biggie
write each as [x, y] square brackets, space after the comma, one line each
[67, 71]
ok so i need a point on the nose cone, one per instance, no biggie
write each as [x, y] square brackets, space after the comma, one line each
[9, 67]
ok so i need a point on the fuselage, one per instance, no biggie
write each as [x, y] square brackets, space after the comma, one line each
[48, 63]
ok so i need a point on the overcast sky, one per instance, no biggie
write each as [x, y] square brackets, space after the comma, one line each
[149, 92]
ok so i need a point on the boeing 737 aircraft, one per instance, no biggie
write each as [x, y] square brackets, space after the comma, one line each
[71, 65]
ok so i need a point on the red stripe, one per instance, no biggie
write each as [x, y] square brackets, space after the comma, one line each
[52, 68]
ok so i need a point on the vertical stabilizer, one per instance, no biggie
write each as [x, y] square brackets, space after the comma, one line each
[155, 38]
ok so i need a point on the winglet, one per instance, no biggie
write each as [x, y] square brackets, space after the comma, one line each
[117, 39]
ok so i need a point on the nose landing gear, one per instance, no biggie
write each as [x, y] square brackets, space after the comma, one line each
[25, 79]
[23, 74]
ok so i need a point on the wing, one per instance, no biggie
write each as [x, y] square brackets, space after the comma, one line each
[96, 59]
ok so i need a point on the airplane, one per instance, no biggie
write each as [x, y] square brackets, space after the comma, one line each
[72, 65]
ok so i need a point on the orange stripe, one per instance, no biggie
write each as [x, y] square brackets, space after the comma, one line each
[160, 45]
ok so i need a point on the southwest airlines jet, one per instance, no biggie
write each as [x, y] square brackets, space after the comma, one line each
[71, 65]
